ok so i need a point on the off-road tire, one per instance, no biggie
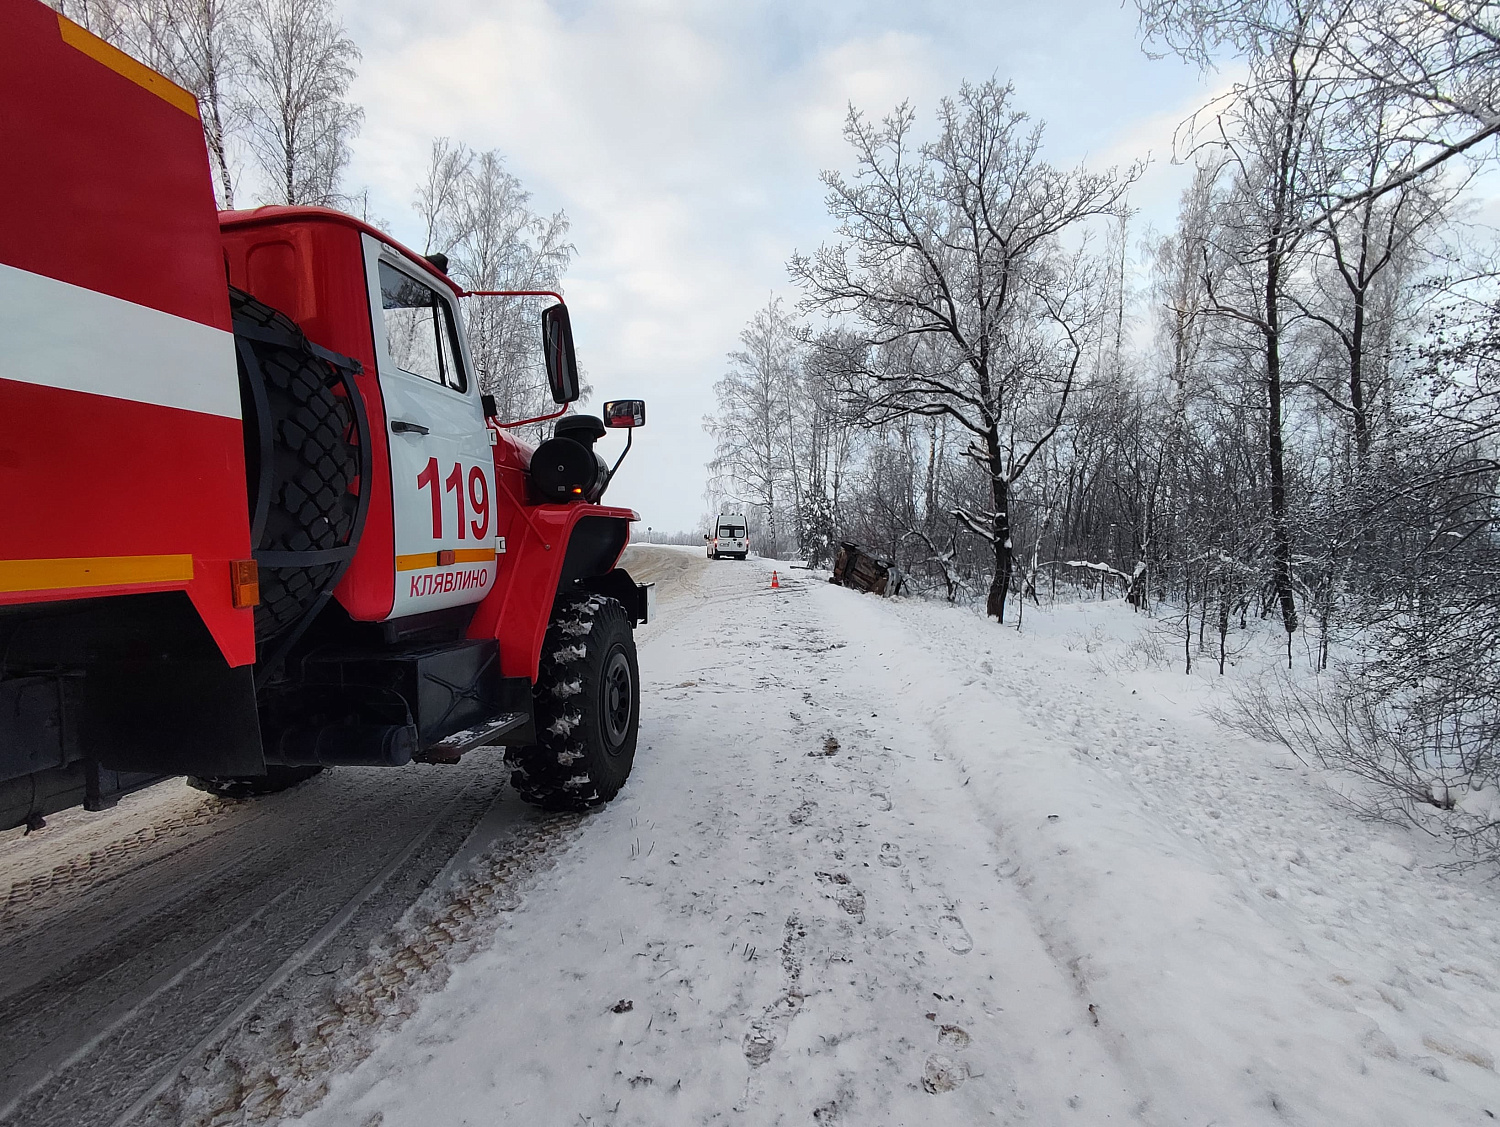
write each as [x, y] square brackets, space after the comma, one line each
[587, 702]
[250, 786]
[314, 483]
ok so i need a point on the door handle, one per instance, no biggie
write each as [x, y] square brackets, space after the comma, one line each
[401, 426]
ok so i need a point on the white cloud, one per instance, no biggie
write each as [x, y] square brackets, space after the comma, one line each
[874, 74]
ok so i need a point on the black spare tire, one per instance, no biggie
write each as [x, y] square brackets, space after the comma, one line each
[302, 462]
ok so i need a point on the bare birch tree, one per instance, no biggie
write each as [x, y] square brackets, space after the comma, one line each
[1436, 61]
[212, 62]
[752, 458]
[300, 64]
[1366, 252]
[949, 261]
[1273, 137]
[478, 214]
[438, 197]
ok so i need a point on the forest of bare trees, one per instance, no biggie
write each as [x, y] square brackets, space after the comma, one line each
[1289, 419]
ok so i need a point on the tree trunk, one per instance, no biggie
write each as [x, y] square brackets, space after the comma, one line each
[1281, 539]
[994, 606]
[1357, 382]
[1223, 621]
[215, 135]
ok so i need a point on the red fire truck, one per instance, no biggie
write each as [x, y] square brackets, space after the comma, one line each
[256, 517]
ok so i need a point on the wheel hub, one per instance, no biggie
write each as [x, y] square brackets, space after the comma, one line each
[616, 702]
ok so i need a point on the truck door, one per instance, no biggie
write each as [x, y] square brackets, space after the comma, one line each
[442, 470]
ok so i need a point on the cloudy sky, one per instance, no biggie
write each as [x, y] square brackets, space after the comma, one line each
[684, 140]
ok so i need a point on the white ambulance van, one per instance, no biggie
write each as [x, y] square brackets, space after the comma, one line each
[730, 537]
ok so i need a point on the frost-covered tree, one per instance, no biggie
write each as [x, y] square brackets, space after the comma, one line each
[300, 63]
[754, 459]
[1274, 143]
[950, 261]
[479, 214]
[1435, 64]
[212, 62]
[1364, 255]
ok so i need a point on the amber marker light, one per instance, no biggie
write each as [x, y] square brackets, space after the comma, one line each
[244, 584]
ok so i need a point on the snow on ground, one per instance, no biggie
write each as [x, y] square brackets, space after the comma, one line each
[885, 862]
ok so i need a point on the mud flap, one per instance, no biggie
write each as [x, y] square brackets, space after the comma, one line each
[192, 716]
[638, 599]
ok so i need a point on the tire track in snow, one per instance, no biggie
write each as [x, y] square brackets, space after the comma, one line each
[884, 933]
[199, 928]
[255, 1072]
[31, 890]
[124, 1009]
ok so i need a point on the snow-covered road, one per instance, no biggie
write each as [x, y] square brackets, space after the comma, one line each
[880, 862]
[142, 941]
[789, 915]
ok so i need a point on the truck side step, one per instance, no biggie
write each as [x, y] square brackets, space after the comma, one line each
[450, 748]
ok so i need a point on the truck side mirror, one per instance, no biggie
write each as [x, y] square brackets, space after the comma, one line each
[705, 536]
[625, 413]
[557, 347]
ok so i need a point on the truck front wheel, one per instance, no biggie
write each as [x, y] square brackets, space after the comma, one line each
[587, 703]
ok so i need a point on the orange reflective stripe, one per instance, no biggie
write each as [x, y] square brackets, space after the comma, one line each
[122, 64]
[423, 560]
[93, 571]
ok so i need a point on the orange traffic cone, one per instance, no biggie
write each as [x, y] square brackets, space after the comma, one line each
[774, 581]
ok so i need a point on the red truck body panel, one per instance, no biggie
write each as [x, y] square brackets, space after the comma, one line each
[121, 458]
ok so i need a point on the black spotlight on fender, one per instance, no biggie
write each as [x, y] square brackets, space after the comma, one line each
[565, 467]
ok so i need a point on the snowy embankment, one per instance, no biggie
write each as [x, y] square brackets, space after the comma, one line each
[885, 862]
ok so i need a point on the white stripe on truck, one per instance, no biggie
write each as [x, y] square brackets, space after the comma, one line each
[64, 336]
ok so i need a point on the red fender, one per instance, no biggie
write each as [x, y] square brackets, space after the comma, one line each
[530, 571]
